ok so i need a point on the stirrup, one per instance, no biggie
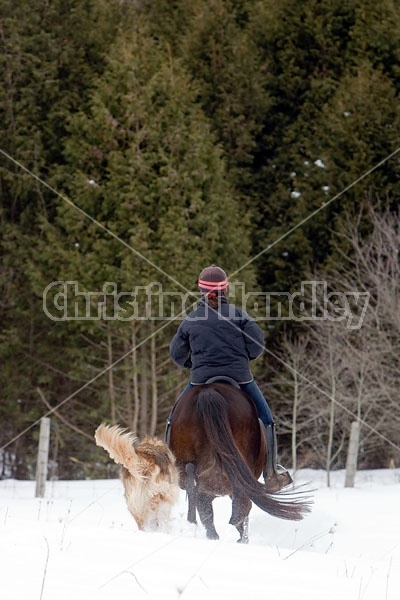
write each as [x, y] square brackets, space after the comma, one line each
[167, 432]
[284, 475]
[278, 479]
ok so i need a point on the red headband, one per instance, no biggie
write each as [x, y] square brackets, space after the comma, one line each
[213, 285]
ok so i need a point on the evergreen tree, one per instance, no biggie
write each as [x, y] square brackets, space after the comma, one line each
[220, 53]
[333, 118]
[184, 129]
[143, 162]
[50, 55]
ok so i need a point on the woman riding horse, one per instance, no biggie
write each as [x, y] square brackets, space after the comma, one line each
[219, 339]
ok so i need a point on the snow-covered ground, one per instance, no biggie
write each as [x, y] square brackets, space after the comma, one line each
[80, 543]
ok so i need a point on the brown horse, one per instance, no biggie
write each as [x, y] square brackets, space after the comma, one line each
[216, 438]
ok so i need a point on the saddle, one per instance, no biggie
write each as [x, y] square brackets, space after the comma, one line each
[223, 379]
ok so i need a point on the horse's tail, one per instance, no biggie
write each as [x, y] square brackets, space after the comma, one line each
[212, 409]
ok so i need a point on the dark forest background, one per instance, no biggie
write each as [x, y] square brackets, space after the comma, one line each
[198, 132]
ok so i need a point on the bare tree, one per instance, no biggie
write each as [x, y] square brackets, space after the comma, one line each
[353, 352]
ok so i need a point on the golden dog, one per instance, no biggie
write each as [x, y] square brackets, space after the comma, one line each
[148, 473]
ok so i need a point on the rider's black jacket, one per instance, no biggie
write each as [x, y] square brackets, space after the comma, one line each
[218, 341]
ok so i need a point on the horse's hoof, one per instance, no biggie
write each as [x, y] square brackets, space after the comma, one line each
[243, 540]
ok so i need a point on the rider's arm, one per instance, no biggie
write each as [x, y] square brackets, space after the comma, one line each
[253, 337]
[180, 348]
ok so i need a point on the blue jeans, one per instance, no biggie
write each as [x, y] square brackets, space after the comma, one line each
[264, 411]
[252, 390]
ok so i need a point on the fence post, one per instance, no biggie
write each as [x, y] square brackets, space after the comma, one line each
[42, 457]
[352, 454]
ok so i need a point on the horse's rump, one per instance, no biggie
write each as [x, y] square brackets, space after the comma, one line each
[204, 423]
[232, 439]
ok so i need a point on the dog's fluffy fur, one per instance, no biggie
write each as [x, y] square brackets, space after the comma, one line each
[148, 473]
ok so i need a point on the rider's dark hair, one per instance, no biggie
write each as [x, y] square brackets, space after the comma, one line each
[213, 298]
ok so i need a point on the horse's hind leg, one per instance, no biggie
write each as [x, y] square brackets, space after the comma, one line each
[205, 509]
[241, 506]
[243, 530]
[190, 486]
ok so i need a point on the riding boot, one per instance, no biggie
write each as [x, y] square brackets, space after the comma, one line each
[275, 476]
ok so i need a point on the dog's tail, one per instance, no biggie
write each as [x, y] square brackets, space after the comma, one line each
[120, 445]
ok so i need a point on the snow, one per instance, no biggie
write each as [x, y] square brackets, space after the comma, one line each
[319, 163]
[80, 543]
